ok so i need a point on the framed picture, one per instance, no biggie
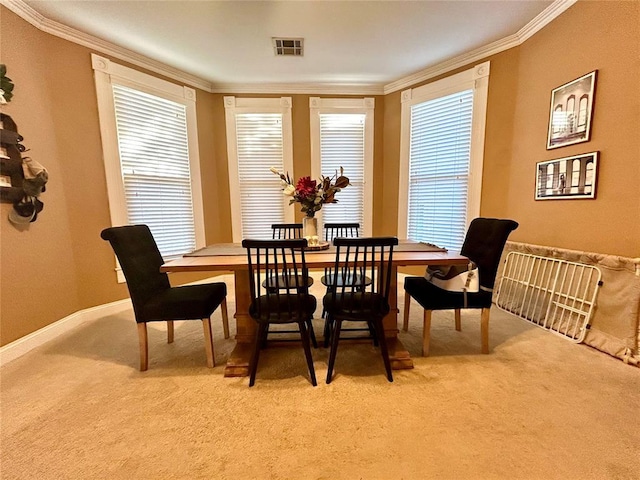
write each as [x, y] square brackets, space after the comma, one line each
[571, 111]
[567, 178]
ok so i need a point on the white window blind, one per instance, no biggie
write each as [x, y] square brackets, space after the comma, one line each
[439, 163]
[259, 138]
[342, 144]
[154, 160]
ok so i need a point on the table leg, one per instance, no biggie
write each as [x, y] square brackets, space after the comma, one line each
[238, 362]
[398, 354]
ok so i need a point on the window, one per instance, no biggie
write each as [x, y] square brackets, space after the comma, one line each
[550, 174]
[588, 182]
[441, 155]
[149, 137]
[258, 137]
[342, 136]
[582, 113]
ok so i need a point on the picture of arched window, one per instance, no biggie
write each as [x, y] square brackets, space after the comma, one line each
[558, 120]
[575, 175]
[582, 113]
[550, 170]
[589, 176]
[567, 178]
[570, 112]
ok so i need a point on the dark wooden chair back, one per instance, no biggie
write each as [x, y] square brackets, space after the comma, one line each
[348, 298]
[285, 231]
[279, 286]
[334, 230]
[278, 280]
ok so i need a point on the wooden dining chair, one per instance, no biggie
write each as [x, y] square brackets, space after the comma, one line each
[283, 231]
[483, 245]
[280, 264]
[331, 231]
[356, 302]
[346, 230]
[153, 298]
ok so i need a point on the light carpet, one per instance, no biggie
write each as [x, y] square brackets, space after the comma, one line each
[537, 407]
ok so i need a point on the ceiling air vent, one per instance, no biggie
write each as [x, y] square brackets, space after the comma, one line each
[288, 46]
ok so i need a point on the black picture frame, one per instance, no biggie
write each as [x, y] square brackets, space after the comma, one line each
[567, 178]
[571, 112]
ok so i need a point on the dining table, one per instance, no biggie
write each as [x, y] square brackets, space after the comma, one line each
[232, 257]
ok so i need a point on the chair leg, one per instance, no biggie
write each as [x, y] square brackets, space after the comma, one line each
[265, 335]
[383, 348]
[253, 366]
[304, 335]
[208, 342]
[225, 317]
[335, 337]
[312, 334]
[372, 332]
[407, 304]
[426, 333]
[169, 331]
[144, 346]
[457, 315]
[327, 330]
[484, 329]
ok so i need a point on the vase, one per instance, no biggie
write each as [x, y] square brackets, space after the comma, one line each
[310, 230]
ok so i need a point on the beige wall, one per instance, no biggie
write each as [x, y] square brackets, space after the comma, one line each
[60, 265]
[589, 36]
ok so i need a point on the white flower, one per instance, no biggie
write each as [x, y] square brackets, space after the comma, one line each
[275, 170]
[289, 190]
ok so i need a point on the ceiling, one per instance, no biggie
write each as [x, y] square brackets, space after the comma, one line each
[348, 43]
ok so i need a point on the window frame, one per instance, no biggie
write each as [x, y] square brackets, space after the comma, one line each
[476, 79]
[106, 73]
[366, 106]
[234, 105]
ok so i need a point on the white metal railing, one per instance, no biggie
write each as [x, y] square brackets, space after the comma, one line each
[554, 294]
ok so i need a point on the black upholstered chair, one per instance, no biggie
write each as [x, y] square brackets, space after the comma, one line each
[153, 298]
[285, 231]
[356, 302]
[483, 245]
[273, 262]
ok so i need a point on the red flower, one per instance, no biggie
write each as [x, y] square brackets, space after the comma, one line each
[306, 187]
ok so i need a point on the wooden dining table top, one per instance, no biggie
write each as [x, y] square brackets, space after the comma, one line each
[231, 257]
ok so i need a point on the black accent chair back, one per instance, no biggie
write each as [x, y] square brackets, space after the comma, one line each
[346, 230]
[285, 231]
[279, 264]
[331, 231]
[153, 298]
[349, 299]
[483, 245]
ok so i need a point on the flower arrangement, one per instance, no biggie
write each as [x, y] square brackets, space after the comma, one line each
[312, 195]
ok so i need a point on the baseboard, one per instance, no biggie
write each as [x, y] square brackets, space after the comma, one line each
[25, 344]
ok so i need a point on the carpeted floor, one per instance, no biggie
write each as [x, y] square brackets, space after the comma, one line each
[536, 407]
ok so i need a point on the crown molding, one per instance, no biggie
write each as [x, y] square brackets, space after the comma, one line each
[297, 88]
[54, 28]
[544, 18]
[75, 36]
[535, 25]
